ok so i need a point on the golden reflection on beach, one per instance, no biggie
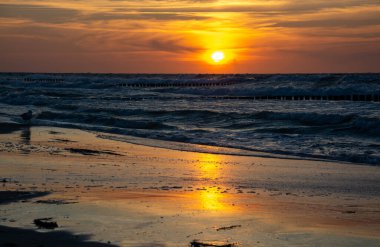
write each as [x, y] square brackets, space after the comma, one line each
[208, 166]
[211, 199]
[209, 195]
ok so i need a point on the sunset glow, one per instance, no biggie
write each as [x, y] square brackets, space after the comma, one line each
[177, 36]
[190, 123]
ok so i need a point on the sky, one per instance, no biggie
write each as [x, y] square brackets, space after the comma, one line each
[180, 36]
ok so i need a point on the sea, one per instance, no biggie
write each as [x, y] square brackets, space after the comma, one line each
[308, 116]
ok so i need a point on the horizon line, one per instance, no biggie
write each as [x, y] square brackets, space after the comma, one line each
[152, 73]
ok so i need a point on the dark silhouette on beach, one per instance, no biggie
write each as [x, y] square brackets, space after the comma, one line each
[27, 116]
[26, 135]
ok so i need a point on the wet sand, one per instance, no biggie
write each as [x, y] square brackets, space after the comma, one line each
[103, 192]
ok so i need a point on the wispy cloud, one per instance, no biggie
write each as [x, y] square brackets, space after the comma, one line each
[103, 16]
[39, 13]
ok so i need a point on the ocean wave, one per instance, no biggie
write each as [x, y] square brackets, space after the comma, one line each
[245, 85]
[185, 110]
[286, 122]
[96, 119]
[306, 117]
[262, 141]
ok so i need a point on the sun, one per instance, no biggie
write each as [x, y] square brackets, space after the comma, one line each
[217, 56]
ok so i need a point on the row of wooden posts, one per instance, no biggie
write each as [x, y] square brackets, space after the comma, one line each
[175, 84]
[369, 98]
[43, 80]
[351, 97]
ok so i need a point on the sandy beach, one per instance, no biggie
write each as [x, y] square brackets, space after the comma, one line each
[103, 192]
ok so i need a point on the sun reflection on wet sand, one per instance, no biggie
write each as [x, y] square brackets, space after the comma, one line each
[209, 166]
[212, 199]
[210, 193]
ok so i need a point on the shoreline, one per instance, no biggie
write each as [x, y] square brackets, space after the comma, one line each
[171, 196]
[9, 127]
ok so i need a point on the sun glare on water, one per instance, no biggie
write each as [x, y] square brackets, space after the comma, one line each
[217, 56]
